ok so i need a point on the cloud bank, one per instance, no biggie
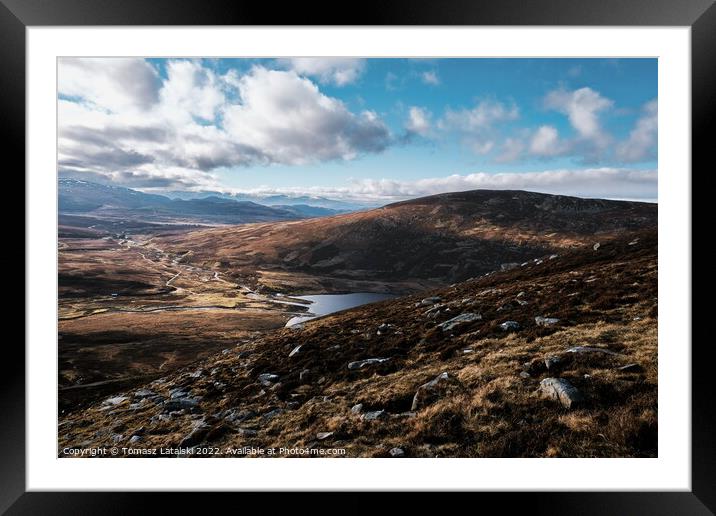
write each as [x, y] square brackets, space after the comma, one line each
[595, 183]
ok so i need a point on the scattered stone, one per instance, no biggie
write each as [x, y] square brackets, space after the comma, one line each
[466, 351]
[588, 349]
[372, 416]
[561, 390]
[180, 404]
[134, 439]
[634, 242]
[510, 326]
[551, 362]
[430, 301]
[596, 246]
[196, 374]
[357, 408]
[525, 374]
[195, 436]
[177, 393]
[545, 321]
[273, 413]
[323, 435]
[631, 368]
[245, 354]
[521, 294]
[232, 416]
[553, 256]
[114, 401]
[429, 392]
[292, 405]
[304, 375]
[460, 319]
[144, 393]
[397, 452]
[509, 266]
[295, 351]
[522, 302]
[246, 432]
[360, 364]
[267, 379]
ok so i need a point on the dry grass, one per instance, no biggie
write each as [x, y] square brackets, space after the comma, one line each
[497, 412]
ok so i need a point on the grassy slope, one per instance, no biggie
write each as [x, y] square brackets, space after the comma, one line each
[605, 298]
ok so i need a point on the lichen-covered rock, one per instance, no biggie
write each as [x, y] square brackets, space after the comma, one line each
[442, 385]
[561, 390]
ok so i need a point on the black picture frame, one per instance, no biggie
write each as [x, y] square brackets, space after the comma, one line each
[700, 15]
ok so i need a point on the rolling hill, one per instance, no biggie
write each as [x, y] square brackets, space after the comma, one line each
[439, 239]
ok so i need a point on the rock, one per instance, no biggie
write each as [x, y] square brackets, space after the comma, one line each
[525, 374]
[267, 379]
[295, 351]
[429, 392]
[460, 319]
[551, 362]
[180, 404]
[304, 375]
[509, 266]
[360, 364]
[372, 416]
[561, 390]
[397, 452]
[195, 436]
[114, 401]
[357, 408]
[323, 435]
[596, 246]
[273, 413]
[134, 439]
[631, 368]
[546, 321]
[244, 354]
[588, 349]
[521, 294]
[232, 416]
[510, 326]
[430, 301]
[144, 393]
[246, 432]
[553, 256]
[196, 374]
[466, 351]
[634, 242]
[177, 393]
[522, 302]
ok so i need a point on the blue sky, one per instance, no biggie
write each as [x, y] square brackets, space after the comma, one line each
[365, 129]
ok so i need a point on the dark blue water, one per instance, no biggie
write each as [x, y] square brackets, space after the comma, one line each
[325, 304]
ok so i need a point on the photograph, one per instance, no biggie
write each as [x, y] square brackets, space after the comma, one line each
[357, 257]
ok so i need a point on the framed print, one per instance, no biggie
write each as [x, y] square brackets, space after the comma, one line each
[413, 250]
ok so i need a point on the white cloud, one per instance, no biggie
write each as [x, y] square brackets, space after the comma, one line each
[112, 83]
[191, 90]
[512, 150]
[337, 70]
[430, 77]
[476, 127]
[290, 121]
[611, 183]
[545, 142]
[481, 117]
[641, 143]
[582, 107]
[418, 121]
[196, 121]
